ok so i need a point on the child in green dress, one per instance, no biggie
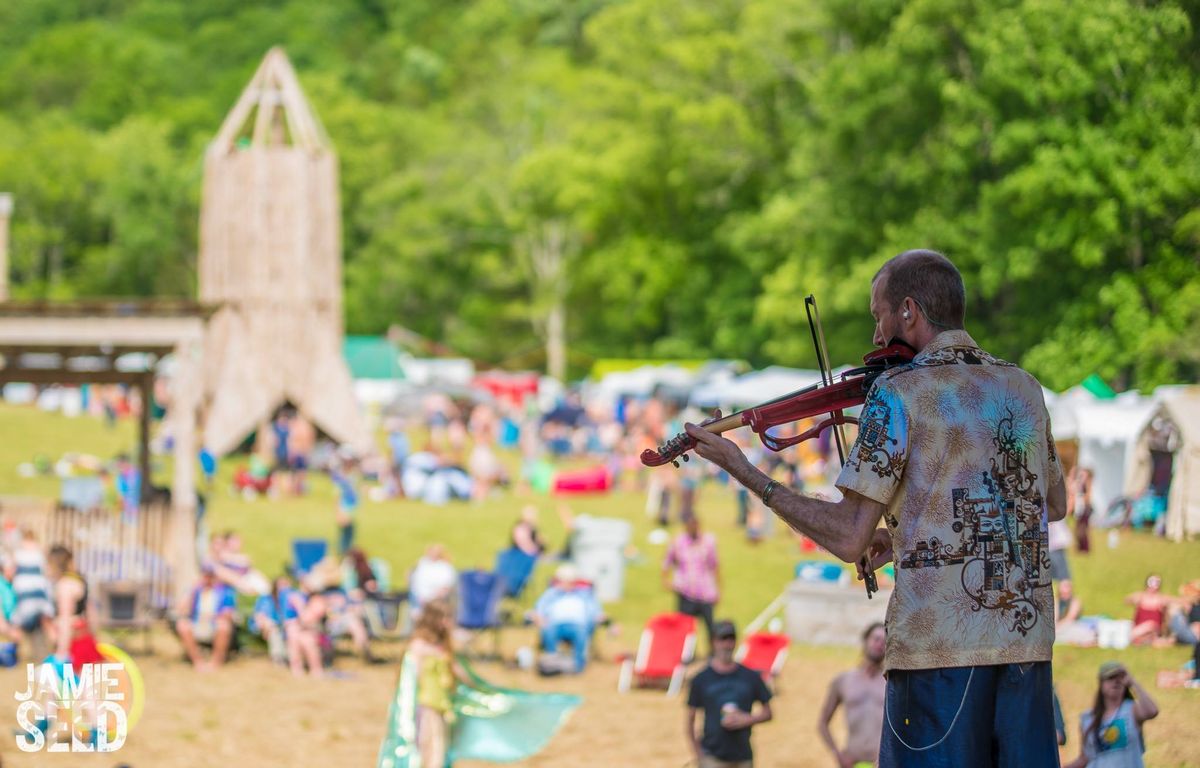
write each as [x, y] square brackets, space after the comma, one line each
[438, 674]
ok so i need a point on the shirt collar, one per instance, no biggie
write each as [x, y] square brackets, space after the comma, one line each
[945, 340]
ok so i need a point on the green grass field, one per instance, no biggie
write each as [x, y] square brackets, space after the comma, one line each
[752, 575]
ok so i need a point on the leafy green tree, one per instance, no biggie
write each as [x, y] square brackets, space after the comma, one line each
[543, 181]
[1049, 147]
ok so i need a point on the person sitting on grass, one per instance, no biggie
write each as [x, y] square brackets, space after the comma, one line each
[1184, 617]
[568, 612]
[1067, 610]
[207, 617]
[1150, 613]
[1069, 606]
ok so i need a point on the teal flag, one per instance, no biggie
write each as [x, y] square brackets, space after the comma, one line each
[499, 725]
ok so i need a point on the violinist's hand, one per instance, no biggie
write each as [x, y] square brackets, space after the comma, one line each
[879, 553]
[719, 450]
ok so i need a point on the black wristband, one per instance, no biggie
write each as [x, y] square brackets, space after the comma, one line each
[770, 489]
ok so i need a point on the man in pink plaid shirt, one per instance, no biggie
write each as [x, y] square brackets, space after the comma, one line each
[692, 573]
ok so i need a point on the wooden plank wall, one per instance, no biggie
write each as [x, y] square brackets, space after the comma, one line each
[108, 545]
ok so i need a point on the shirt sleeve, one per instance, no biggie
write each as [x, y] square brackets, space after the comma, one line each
[696, 693]
[875, 465]
[761, 691]
[1054, 473]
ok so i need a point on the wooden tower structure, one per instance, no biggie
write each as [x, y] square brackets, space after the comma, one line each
[271, 263]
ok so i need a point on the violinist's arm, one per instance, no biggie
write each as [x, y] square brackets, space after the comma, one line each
[844, 528]
[1056, 501]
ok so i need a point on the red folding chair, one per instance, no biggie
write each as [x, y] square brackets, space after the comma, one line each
[765, 653]
[667, 645]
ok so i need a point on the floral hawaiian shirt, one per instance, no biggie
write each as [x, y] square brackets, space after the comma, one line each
[957, 445]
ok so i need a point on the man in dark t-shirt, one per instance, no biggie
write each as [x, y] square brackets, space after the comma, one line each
[726, 692]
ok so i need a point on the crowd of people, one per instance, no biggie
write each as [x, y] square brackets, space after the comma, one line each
[298, 614]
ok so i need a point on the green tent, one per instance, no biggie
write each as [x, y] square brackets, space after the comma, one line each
[1098, 388]
[372, 357]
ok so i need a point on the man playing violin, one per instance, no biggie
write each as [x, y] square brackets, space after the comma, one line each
[954, 453]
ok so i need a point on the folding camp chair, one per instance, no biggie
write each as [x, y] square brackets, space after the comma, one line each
[124, 606]
[386, 613]
[667, 645]
[515, 566]
[479, 594]
[765, 653]
[383, 573]
[306, 553]
[388, 616]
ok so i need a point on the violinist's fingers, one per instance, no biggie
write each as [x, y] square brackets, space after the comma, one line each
[699, 434]
[880, 559]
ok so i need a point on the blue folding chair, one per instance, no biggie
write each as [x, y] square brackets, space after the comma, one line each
[479, 594]
[515, 566]
[306, 553]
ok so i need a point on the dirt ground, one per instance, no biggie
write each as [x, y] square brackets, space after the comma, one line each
[251, 713]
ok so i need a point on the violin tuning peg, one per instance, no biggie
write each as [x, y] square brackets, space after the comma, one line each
[685, 457]
[676, 463]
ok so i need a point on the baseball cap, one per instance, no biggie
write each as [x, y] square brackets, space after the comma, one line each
[722, 629]
[1109, 669]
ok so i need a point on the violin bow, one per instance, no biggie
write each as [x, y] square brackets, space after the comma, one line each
[839, 437]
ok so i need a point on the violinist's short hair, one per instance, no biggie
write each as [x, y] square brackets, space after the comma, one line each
[932, 281]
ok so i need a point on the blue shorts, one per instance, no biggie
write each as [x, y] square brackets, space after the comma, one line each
[991, 716]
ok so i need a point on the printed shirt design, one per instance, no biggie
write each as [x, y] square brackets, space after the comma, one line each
[1112, 735]
[957, 445]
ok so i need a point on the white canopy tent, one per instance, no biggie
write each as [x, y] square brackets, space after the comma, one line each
[1180, 406]
[753, 388]
[1062, 414]
[1108, 432]
[641, 382]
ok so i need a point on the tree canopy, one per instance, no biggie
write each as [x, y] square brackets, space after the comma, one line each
[650, 178]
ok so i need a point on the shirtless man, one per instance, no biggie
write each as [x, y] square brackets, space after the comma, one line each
[862, 691]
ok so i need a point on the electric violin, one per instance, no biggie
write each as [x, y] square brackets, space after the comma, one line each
[828, 399]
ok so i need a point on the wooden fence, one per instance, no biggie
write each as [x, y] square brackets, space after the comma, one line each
[108, 545]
